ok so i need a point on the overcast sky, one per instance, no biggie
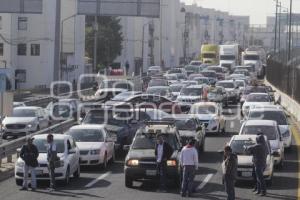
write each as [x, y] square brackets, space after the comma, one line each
[258, 10]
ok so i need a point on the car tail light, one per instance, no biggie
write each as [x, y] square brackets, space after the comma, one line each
[171, 163]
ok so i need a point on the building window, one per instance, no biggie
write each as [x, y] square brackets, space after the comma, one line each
[1, 49]
[21, 49]
[22, 23]
[0, 22]
[35, 49]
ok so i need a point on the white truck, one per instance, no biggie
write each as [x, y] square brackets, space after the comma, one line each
[229, 56]
[256, 57]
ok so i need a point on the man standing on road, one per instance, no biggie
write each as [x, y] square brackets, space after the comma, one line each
[52, 159]
[189, 163]
[259, 153]
[29, 154]
[163, 152]
[229, 168]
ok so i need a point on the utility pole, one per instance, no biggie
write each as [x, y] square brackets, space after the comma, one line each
[290, 30]
[279, 24]
[56, 67]
[276, 19]
[161, 34]
[96, 29]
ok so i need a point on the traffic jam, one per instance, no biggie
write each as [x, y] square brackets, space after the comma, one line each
[126, 119]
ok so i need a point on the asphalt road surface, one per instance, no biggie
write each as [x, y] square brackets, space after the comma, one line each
[98, 184]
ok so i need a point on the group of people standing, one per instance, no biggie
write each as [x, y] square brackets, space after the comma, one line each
[189, 165]
[29, 154]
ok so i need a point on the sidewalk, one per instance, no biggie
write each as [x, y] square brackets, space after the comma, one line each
[7, 169]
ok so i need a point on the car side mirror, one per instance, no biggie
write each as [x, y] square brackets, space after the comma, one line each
[80, 120]
[72, 151]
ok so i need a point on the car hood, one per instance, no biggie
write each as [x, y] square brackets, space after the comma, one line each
[250, 62]
[42, 159]
[187, 97]
[229, 89]
[16, 120]
[253, 104]
[226, 62]
[175, 93]
[184, 133]
[113, 128]
[205, 116]
[245, 160]
[89, 145]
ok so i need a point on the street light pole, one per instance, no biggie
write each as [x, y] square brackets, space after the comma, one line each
[143, 46]
[290, 29]
[276, 19]
[161, 34]
[279, 24]
[96, 29]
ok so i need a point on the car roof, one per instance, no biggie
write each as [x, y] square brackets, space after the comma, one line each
[260, 123]
[87, 126]
[226, 81]
[183, 116]
[159, 87]
[27, 108]
[177, 84]
[205, 104]
[160, 129]
[267, 108]
[56, 136]
[265, 94]
[195, 86]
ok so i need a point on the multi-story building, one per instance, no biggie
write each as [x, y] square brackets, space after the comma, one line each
[27, 44]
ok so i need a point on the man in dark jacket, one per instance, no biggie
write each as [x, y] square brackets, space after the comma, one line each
[29, 154]
[52, 159]
[260, 153]
[163, 152]
[229, 168]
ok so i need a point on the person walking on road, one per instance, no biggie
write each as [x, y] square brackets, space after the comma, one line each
[189, 163]
[229, 168]
[163, 152]
[29, 154]
[52, 159]
[259, 153]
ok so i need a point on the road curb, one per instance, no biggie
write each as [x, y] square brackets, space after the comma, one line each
[7, 174]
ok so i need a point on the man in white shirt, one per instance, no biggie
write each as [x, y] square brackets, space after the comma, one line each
[189, 163]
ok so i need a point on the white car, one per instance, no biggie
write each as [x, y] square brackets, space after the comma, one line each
[96, 144]
[232, 89]
[160, 91]
[154, 70]
[25, 120]
[210, 114]
[190, 95]
[175, 89]
[172, 78]
[277, 114]
[256, 99]
[245, 163]
[270, 129]
[18, 104]
[68, 153]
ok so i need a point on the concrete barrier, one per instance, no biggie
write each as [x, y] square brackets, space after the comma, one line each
[292, 106]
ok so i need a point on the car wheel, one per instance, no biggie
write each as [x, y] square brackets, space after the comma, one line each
[104, 164]
[67, 177]
[128, 182]
[77, 173]
[19, 182]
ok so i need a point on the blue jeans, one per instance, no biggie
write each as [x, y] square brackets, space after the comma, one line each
[260, 181]
[161, 172]
[188, 179]
[26, 170]
[229, 187]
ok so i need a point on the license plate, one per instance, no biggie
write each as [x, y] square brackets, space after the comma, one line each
[247, 174]
[39, 172]
[151, 172]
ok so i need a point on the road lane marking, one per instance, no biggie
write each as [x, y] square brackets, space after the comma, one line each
[205, 181]
[295, 132]
[103, 176]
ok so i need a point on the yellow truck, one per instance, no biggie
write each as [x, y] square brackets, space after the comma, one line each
[210, 54]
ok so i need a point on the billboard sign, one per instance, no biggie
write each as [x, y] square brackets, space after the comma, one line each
[21, 6]
[139, 8]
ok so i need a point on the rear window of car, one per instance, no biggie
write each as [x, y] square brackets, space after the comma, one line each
[277, 116]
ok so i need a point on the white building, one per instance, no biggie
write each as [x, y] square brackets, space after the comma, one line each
[27, 44]
[184, 28]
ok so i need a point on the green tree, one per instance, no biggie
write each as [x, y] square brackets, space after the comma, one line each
[109, 39]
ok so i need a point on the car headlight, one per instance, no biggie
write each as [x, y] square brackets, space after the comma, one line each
[171, 163]
[29, 125]
[20, 164]
[95, 152]
[133, 162]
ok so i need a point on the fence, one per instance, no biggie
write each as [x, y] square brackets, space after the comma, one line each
[285, 74]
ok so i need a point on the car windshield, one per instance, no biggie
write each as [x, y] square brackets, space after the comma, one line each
[186, 125]
[191, 91]
[176, 88]
[227, 57]
[115, 84]
[277, 116]
[181, 76]
[171, 77]
[258, 98]
[24, 113]
[158, 91]
[202, 80]
[228, 85]
[193, 68]
[209, 55]
[209, 74]
[216, 69]
[268, 131]
[148, 141]
[203, 110]
[238, 146]
[42, 145]
[87, 135]
[250, 90]
[158, 82]
[174, 71]
[195, 63]
[102, 117]
[240, 83]
[251, 57]
[123, 96]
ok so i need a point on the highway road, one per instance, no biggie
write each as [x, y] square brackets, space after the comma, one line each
[98, 184]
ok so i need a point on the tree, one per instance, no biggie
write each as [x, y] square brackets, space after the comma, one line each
[109, 39]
